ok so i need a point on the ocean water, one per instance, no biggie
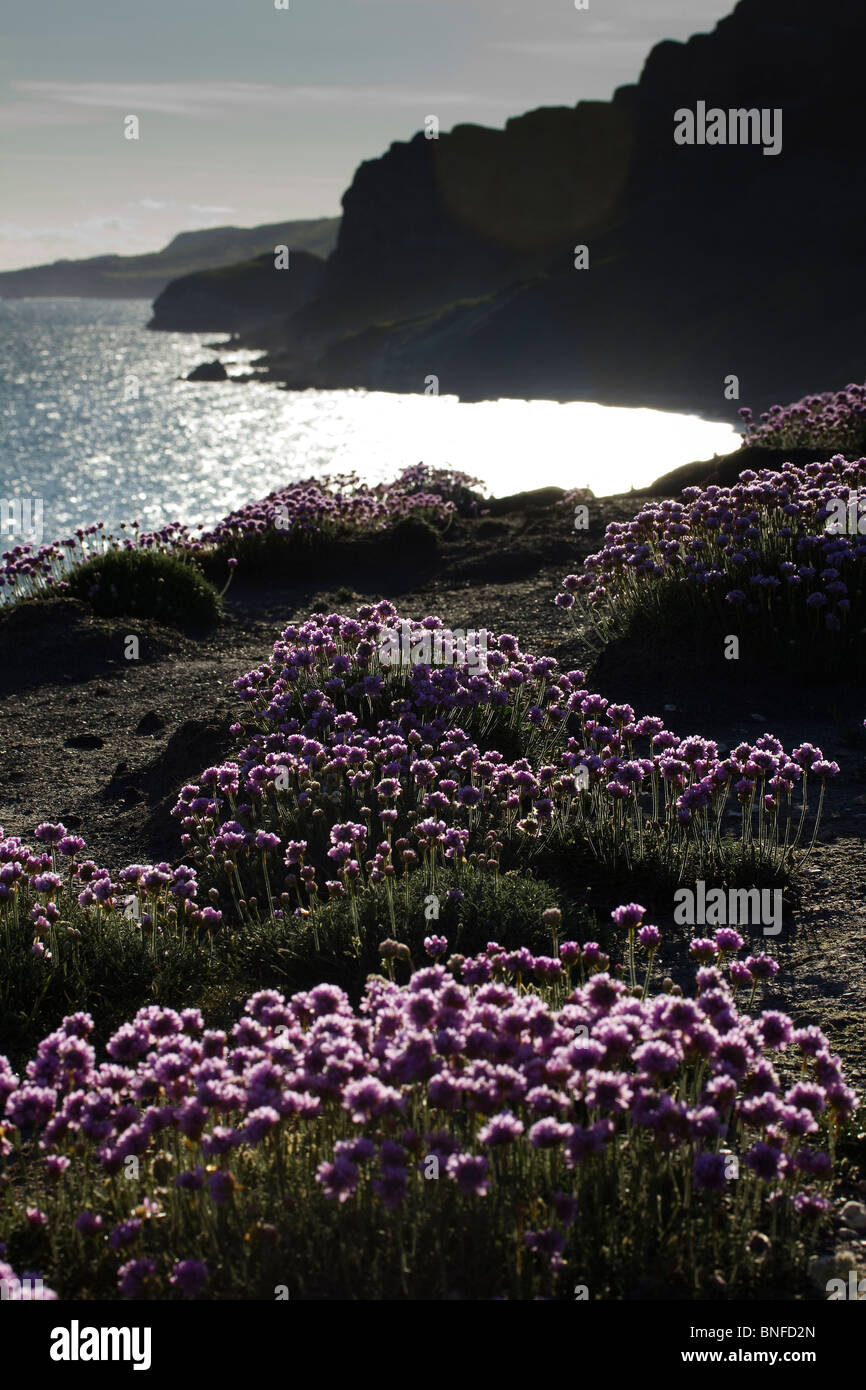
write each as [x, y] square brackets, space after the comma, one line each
[97, 424]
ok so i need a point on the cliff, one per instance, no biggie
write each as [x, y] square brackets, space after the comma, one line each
[455, 256]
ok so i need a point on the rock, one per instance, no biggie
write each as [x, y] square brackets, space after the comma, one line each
[412, 537]
[725, 469]
[209, 371]
[150, 723]
[854, 1215]
[537, 499]
[84, 741]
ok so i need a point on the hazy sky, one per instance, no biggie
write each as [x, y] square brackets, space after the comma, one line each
[251, 114]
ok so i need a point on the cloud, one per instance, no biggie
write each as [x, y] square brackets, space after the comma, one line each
[27, 245]
[87, 231]
[204, 100]
[204, 209]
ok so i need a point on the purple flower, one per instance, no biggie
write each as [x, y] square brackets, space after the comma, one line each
[631, 915]
[765, 1160]
[727, 939]
[370, 1098]
[565, 1208]
[339, 1180]
[189, 1276]
[503, 1128]
[221, 1186]
[470, 1172]
[124, 1232]
[708, 1172]
[649, 937]
[810, 1206]
[132, 1276]
[761, 967]
[548, 1133]
[87, 1224]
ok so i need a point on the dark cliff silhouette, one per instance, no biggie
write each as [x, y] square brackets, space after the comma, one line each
[455, 256]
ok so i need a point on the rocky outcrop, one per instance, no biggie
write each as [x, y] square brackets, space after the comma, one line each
[239, 298]
[209, 371]
[724, 470]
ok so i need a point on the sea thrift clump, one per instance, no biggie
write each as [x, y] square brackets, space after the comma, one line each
[35, 882]
[830, 420]
[339, 506]
[343, 503]
[768, 549]
[369, 774]
[555, 1098]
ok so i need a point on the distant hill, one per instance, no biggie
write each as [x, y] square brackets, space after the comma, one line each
[145, 277]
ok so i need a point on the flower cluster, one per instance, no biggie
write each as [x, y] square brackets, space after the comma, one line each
[469, 1073]
[761, 546]
[343, 503]
[334, 507]
[41, 883]
[353, 775]
[351, 772]
[831, 420]
[29, 572]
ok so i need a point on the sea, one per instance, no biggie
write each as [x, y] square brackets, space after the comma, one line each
[98, 424]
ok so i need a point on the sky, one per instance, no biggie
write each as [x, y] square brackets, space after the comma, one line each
[250, 114]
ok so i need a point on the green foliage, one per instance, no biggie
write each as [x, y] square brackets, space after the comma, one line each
[340, 941]
[110, 968]
[640, 1234]
[142, 583]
